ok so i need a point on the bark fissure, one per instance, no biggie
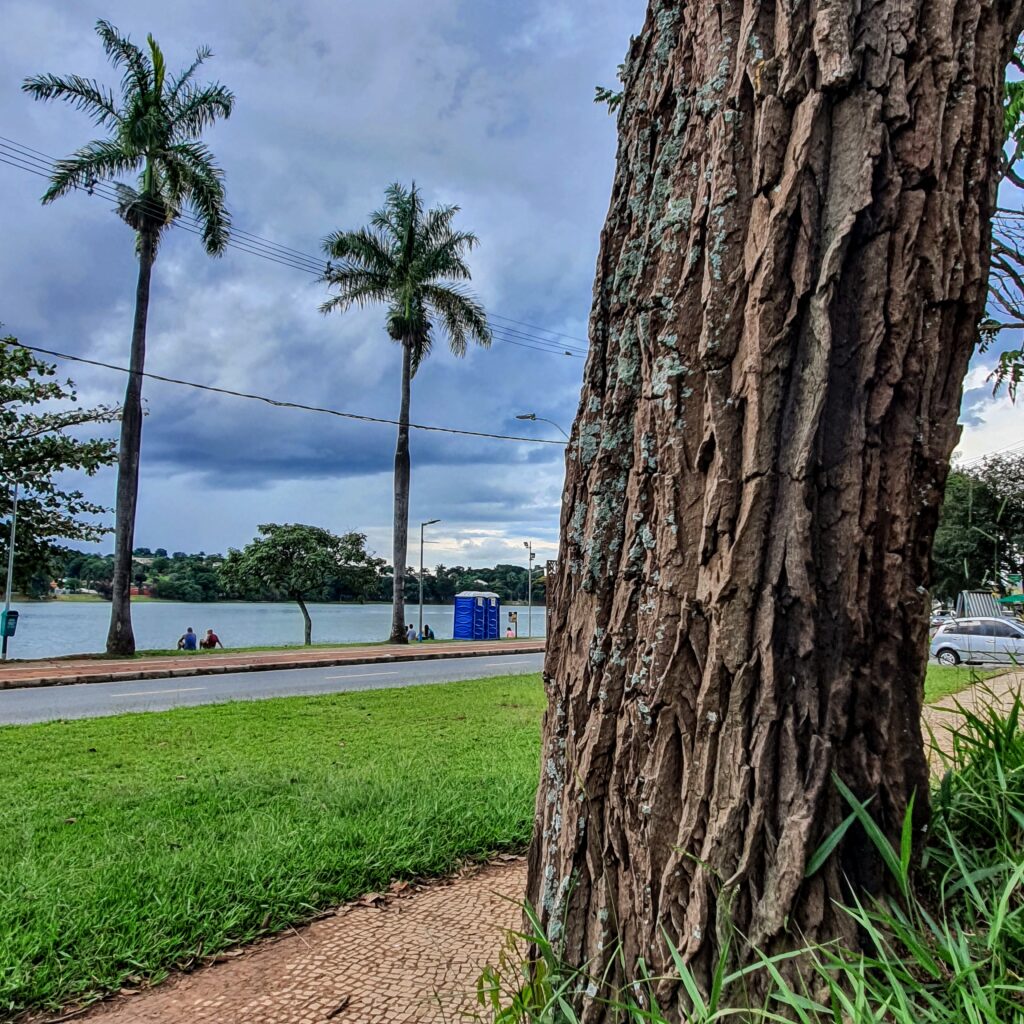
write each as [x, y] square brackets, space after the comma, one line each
[790, 275]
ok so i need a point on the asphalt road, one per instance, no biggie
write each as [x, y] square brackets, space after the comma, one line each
[94, 700]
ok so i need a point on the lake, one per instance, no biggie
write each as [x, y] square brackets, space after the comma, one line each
[50, 628]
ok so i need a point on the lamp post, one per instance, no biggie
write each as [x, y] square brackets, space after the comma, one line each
[10, 571]
[533, 418]
[528, 544]
[423, 526]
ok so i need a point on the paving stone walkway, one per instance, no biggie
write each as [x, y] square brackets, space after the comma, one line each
[996, 693]
[407, 959]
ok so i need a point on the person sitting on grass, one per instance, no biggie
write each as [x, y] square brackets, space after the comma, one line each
[428, 633]
[410, 634]
[188, 641]
[210, 641]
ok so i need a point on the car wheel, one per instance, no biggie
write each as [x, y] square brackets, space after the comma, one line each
[947, 657]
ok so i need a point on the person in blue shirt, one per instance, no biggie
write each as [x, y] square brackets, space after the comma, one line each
[188, 641]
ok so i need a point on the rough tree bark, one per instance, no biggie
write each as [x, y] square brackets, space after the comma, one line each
[790, 276]
[307, 622]
[400, 527]
[120, 636]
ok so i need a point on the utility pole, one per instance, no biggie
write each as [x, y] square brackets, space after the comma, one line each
[429, 522]
[528, 544]
[10, 570]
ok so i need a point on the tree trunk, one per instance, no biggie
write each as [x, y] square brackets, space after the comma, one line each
[790, 276]
[400, 535]
[120, 638]
[307, 622]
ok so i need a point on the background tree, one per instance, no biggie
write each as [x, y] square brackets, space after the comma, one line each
[790, 280]
[1006, 279]
[980, 538]
[154, 130]
[358, 579]
[37, 416]
[411, 262]
[294, 561]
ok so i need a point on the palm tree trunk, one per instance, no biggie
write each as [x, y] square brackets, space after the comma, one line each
[307, 622]
[401, 523]
[120, 638]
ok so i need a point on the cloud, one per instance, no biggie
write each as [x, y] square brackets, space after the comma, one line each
[485, 105]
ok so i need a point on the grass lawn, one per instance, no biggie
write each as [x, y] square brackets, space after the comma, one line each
[132, 844]
[944, 680]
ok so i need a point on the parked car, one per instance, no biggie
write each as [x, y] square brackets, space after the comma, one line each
[979, 639]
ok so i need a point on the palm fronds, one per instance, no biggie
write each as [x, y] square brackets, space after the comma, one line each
[411, 261]
[155, 130]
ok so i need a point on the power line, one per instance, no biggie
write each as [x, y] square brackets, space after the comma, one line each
[1010, 449]
[34, 161]
[499, 332]
[279, 403]
[29, 154]
[546, 330]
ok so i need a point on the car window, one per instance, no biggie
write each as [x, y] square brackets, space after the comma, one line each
[969, 628]
[1002, 629]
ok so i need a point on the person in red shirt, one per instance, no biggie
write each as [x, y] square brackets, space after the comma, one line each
[210, 641]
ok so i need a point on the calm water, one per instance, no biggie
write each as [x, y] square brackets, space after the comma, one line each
[56, 627]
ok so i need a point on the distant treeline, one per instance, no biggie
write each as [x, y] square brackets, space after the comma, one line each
[177, 576]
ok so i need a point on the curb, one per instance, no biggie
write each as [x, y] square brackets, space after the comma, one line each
[215, 669]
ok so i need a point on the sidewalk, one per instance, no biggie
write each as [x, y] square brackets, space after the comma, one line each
[410, 957]
[66, 671]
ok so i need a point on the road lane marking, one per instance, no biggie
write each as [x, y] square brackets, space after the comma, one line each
[505, 661]
[362, 675]
[154, 693]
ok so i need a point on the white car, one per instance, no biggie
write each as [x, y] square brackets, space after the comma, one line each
[979, 639]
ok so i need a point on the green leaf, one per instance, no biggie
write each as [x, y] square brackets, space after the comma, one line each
[875, 834]
[824, 851]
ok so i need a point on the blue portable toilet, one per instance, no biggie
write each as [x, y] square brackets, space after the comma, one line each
[477, 615]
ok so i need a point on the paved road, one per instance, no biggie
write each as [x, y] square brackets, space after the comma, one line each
[94, 700]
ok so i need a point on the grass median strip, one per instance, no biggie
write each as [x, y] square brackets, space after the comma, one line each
[134, 843]
[946, 680]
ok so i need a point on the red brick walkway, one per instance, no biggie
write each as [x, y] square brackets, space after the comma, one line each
[64, 671]
[401, 960]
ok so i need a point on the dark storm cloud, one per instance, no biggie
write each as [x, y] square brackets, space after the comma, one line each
[484, 103]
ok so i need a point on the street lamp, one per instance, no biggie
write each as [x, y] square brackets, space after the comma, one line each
[10, 572]
[533, 418]
[528, 544]
[429, 522]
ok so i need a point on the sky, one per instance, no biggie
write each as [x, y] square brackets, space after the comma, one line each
[483, 103]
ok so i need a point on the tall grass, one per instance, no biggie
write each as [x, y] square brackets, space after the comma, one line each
[948, 950]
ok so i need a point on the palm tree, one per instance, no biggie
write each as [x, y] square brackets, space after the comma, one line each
[411, 262]
[154, 130]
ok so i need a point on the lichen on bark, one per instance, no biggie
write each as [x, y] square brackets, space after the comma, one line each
[792, 268]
